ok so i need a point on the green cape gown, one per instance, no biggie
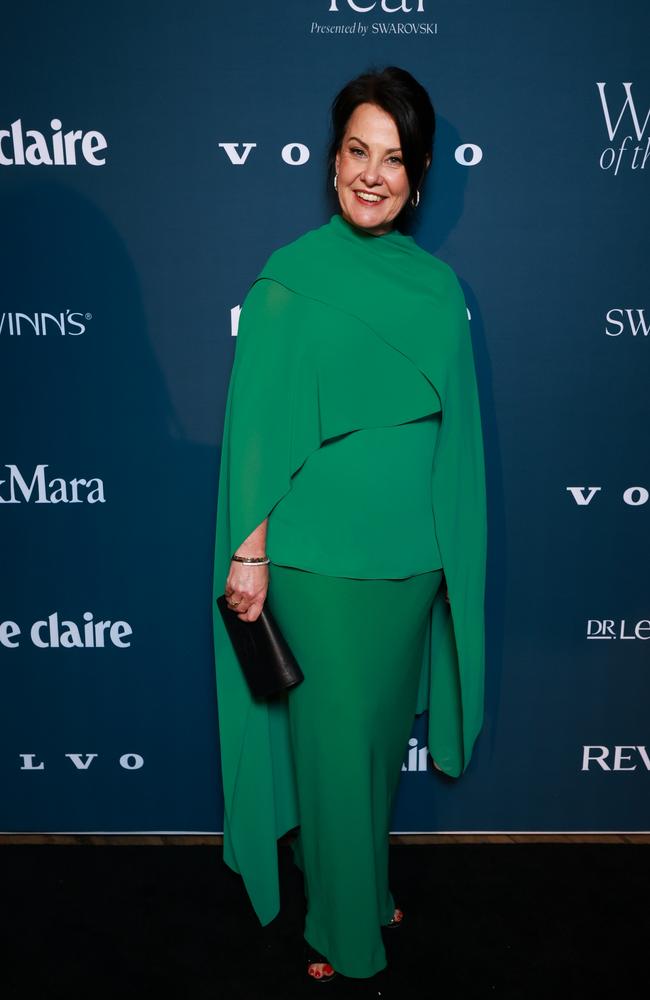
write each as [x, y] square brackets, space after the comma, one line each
[329, 336]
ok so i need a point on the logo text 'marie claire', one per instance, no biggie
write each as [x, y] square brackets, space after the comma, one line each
[21, 147]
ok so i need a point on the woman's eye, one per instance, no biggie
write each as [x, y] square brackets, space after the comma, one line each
[394, 159]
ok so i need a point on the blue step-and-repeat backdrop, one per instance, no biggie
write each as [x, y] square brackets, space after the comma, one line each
[152, 155]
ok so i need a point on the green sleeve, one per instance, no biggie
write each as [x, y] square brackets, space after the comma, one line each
[260, 398]
[456, 648]
[260, 802]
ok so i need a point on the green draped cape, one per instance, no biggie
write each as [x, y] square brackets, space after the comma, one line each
[328, 332]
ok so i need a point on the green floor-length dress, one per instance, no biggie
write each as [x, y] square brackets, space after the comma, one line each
[353, 423]
[360, 644]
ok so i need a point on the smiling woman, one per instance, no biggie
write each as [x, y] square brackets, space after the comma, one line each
[371, 180]
[380, 151]
[352, 481]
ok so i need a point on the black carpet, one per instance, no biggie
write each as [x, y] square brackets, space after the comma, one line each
[482, 920]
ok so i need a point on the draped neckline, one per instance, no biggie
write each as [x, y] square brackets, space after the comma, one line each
[404, 294]
[340, 227]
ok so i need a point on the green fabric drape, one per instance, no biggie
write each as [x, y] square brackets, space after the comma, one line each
[329, 335]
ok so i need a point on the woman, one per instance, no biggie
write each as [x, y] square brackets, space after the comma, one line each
[352, 481]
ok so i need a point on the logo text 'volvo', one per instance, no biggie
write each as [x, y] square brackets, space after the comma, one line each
[16, 489]
[19, 148]
[128, 761]
[633, 496]
[297, 154]
[286, 153]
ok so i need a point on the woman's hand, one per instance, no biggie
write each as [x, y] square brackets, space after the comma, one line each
[249, 585]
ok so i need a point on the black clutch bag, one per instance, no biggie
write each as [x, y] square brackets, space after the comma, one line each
[268, 664]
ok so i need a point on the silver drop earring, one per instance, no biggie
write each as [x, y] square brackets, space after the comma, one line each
[417, 201]
[335, 177]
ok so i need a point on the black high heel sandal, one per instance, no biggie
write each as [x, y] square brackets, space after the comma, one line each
[313, 956]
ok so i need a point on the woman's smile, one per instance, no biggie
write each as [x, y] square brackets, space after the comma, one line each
[369, 198]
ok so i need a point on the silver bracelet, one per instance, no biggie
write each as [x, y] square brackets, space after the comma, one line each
[252, 560]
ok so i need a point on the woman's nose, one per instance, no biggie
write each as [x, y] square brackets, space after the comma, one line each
[372, 175]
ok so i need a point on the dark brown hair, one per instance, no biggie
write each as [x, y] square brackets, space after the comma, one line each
[399, 94]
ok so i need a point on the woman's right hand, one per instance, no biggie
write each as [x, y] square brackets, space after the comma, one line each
[248, 585]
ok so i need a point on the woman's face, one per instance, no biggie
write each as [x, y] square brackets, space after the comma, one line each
[370, 160]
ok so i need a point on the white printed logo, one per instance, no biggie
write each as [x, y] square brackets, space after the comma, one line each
[633, 496]
[417, 757]
[598, 755]
[54, 491]
[39, 324]
[611, 156]
[239, 159]
[56, 632]
[609, 628]
[402, 6]
[632, 320]
[32, 148]
[128, 761]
